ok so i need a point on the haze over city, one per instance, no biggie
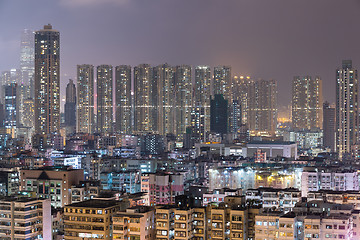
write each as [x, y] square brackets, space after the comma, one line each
[179, 120]
[263, 39]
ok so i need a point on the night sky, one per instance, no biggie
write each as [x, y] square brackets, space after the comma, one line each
[269, 39]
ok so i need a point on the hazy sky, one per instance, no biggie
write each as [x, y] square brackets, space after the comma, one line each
[269, 39]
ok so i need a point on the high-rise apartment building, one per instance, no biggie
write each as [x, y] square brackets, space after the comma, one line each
[183, 100]
[222, 81]
[306, 102]
[10, 121]
[27, 59]
[202, 86]
[85, 99]
[240, 92]
[28, 118]
[70, 105]
[219, 114]
[236, 116]
[347, 117]
[144, 99]
[47, 81]
[202, 93]
[123, 102]
[23, 93]
[104, 98]
[163, 97]
[329, 126]
[262, 106]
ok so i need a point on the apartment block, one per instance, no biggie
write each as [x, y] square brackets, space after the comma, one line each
[134, 223]
[175, 223]
[279, 199]
[52, 183]
[25, 218]
[328, 179]
[338, 197]
[90, 219]
[9, 182]
[162, 187]
[85, 190]
[124, 181]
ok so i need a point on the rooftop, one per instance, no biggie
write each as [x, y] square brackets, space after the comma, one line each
[95, 203]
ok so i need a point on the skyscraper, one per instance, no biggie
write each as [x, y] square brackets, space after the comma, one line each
[104, 98]
[163, 97]
[47, 81]
[236, 117]
[123, 98]
[5, 78]
[27, 59]
[222, 81]
[240, 92]
[10, 122]
[143, 99]
[306, 102]
[202, 93]
[85, 99]
[183, 100]
[347, 117]
[262, 106]
[219, 114]
[329, 126]
[28, 117]
[70, 106]
[23, 93]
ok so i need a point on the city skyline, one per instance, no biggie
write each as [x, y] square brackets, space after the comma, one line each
[252, 50]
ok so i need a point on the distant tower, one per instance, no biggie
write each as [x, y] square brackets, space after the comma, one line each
[10, 122]
[163, 92]
[262, 105]
[329, 126]
[222, 81]
[123, 101]
[219, 114]
[28, 118]
[70, 106]
[27, 56]
[47, 81]
[347, 117]
[104, 98]
[306, 102]
[85, 99]
[144, 99]
[202, 94]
